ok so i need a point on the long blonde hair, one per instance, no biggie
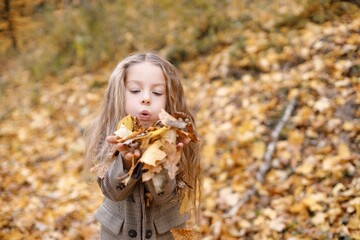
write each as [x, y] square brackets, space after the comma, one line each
[113, 110]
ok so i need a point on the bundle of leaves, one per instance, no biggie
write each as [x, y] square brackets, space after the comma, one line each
[157, 144]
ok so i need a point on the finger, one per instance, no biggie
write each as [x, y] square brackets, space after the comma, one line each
[179, 146]
[121, 147]
[137, 153]
[129, 156]
[111, 139]
[184, 140]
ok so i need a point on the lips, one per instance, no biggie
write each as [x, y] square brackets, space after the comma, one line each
[144, 115]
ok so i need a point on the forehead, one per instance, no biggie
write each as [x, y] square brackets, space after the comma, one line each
[145, 69]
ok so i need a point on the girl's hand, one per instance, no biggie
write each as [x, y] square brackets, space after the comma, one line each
[126, 152]
[181, 143]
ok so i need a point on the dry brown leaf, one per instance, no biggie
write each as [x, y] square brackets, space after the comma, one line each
[172, 159]
[172, 155]
[170, 121]
[183, 234]
[153, 154]
[185, 203]
[158, 144]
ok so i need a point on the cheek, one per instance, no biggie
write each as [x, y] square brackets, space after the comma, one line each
[163, 102]
[128, 104]
[159, 104]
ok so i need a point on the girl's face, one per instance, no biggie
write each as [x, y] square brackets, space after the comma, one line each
[145, 92]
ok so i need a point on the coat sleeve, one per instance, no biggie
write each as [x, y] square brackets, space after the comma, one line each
[168, 193]
[111, 184]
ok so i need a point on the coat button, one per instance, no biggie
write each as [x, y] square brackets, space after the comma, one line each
[132, 233]
[148, 234]
[120, 186]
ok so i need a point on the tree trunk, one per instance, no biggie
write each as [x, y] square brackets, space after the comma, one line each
[356, 2]
[11, 28]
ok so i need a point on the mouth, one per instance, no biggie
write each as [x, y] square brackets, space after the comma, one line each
[144, 115]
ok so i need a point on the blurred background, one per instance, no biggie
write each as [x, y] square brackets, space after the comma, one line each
[243, 63]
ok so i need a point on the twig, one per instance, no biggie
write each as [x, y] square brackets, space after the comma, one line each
[260, 175]
[274, 138]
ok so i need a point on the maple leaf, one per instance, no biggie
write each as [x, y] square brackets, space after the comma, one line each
[150, 171]
[127, 122]
[125, 127]
[151, 137]
[122, 131]
[153, 154]
[172, 159]
[170, 121]
[158, 144]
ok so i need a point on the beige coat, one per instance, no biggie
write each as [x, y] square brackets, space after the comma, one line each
[124, 215]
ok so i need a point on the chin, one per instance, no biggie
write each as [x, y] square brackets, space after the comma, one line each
[146, 124]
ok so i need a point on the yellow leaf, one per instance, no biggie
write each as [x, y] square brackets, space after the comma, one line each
[172, 159]
[270, 213]
[172, 155]
[260, 221]
[296, 137]
[258, 150]
[277, 224]
[297, 208]
[330, 162]
[169, 136]
[312, 201]
[333, 213]
[343, 151]
[150, 137]
[184, 203]
[122, 131]
[304, 114]
[354, 222]
[127, 122]
[183, 234]
[355, 235]
[153, 154]
[319, 218]
[14, 234]
[356, 204]
[305, 168]
[348, 126]
[322, 104]
[146, 176]
[337, 189]
[130, 171]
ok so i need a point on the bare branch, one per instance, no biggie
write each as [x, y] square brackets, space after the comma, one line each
[260, 175]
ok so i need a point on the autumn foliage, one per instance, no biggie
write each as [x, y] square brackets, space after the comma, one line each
[157, 145]
[245, 66]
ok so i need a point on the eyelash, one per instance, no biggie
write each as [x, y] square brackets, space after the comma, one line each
[134, 91]
[137, 91]
[158, 93]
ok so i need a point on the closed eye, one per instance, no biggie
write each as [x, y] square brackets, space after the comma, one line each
[158, 93]
[134, 91]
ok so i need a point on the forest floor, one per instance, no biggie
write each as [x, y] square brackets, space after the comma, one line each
[308, 188]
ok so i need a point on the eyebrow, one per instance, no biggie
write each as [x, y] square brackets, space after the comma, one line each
[140, 83]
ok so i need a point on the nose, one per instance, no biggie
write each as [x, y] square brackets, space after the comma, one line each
[146, 101]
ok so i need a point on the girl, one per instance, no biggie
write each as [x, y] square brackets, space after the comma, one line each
[141, 85]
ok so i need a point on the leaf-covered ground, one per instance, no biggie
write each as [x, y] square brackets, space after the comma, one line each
[239, 91]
